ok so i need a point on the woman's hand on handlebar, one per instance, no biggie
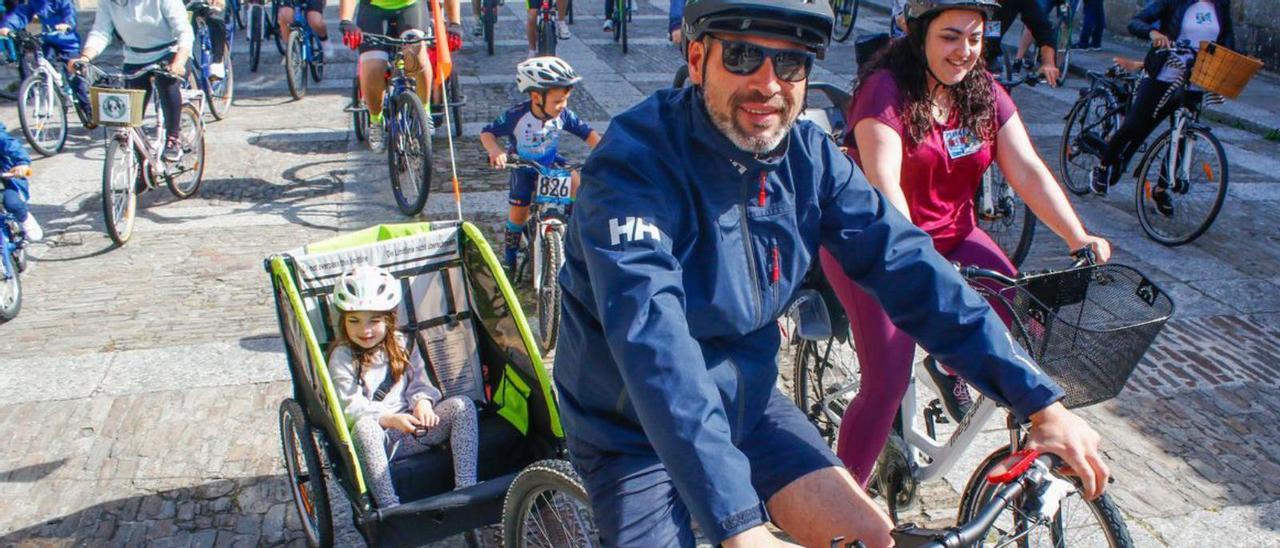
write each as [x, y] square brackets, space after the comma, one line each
[75, 64]
[1159, 40]
[1100, 248]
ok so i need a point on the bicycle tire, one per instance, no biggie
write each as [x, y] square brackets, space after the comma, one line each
[843, 27]
[309, 488]
[1149, 216]
[32, 111]
[191, 129]
[546, 38]
[121, 171]
[316, 63]
[359, 112]
[295, 66]
[549, 295]
[1112, 528]
[237, 11]
[409, 113]
[823, 370]
[455, 97]
[220, 95]
[1075, 175]
[1012, 224]
[275, 27]
[257, 23]
[544, 480]
[1063, 46]
[11, 288]
[623, 22]
[618, 29]
[489, 20]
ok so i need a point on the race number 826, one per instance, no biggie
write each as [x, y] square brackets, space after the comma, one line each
[554, 187]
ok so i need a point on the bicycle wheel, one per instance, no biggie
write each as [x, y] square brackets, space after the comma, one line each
[546, 38]
[846, 13]
[625, 21]
[307, 480]
[409, 153]
[489, 18]
[121, 173]
[1175, 212]
[549, 294]
[359, 111]
[825, 379]
[317, 59]
[1006, 218]
[257, 26]
[1079, 522]
[184, 178]
[218, 91]
[295, 66]
[1063, 44]
[43, 114]
[275, 27]
[455, 112]
[547, 505]
[1090, 123]
[11, 288]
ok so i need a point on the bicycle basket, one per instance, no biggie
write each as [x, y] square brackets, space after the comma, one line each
[1222, 71]
[116, 107]
[1088, 327]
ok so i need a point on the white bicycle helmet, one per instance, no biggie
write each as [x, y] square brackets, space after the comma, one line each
[367, 288]
[544, 73]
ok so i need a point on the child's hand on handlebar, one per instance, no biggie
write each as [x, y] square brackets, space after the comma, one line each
[497, 160]
[403, 422]
[23, 171]
[62, 27]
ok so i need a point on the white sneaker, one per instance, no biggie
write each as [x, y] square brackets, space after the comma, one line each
[608, 25]
[32, 229]
[376, 137]
[562, 30]
[218, 70]
[532, 53]
[327, 47]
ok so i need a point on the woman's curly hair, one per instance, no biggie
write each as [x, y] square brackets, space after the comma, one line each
[904, 58]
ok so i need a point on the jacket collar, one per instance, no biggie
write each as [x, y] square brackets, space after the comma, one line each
[706, 133]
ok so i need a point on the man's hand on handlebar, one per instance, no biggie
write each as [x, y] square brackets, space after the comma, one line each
[1049, 65]
[351, 35]
[1056, 430]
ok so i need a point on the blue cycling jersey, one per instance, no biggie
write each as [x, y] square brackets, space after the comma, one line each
[533, 138]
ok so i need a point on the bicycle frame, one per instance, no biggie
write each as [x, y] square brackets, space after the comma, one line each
[545, 214]
[927, 458]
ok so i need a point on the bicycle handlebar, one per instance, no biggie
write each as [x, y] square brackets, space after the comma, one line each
[384, 40]
[87, 67]
[1085, 256]
[516, 163]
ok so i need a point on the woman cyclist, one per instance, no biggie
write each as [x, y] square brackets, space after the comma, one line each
[153, 31]
[927, 121]
[1192, 21]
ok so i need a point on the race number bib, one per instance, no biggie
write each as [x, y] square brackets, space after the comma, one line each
[960, 142]
[553, 187]
[993, 29]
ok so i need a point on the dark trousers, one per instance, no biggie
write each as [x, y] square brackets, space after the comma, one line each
[170, 95]
[1141, 118]
[1095, 19]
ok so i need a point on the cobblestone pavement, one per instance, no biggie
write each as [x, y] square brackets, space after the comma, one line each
[140, 385]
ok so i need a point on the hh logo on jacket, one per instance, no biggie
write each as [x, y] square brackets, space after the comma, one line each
[632, 229]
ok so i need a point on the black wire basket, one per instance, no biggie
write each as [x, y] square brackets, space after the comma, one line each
[1087, 327]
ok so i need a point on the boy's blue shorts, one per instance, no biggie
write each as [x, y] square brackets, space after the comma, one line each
[522, 182]
[635, 503]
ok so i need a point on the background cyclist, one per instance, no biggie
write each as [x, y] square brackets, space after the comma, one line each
[315, 18]
[392, 18]
[927, 123]
[1035, 20]
[58, 18]
[699, 214]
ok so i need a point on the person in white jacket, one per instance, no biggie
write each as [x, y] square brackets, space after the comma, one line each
[153, 31]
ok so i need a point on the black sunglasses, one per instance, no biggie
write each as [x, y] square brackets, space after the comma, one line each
[744, 58]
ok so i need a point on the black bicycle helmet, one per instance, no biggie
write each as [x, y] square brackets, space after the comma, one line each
[806, 21]
[920, 8]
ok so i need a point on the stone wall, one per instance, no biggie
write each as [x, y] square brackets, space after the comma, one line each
[1257, 25]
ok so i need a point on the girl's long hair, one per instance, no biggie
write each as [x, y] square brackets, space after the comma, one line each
[397, 359]
[973, 97]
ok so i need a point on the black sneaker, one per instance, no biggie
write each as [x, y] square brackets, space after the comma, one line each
[172, 150]
[1098, 181]
[1163, 202]
[954, 393]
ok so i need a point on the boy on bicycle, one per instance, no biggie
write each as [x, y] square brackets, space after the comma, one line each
[58, 17]
[16, 166]
[533, 128]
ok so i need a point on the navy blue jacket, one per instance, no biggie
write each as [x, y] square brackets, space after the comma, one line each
[51, 13]
[1166, 16]
[682, 254]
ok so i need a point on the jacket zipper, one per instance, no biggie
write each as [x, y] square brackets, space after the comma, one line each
[751, 262]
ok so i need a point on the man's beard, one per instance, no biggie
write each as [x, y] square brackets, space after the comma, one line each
[763, 143]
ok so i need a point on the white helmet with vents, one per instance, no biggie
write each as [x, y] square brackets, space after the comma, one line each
[544, 73]
[367, 288]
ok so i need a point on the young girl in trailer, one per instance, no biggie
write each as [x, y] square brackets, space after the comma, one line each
[393, 410]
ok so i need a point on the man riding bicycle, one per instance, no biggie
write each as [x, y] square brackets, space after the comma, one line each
[1035, 19]
[390, 17]
[699, 214]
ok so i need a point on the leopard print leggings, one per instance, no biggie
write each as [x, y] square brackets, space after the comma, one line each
[377, 447]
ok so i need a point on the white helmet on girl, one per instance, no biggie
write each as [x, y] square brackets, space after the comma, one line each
[544, 73]
[367, 288]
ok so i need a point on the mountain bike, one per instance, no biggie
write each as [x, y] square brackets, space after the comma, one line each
[408, 125]
[545, 22]
[1090, 123]
[544, 241]
[43, 98]
[1087, 327]
[13, 257]
[846, 15]
[133, 161]
[217, 91]
[621, 19]
[304, 53]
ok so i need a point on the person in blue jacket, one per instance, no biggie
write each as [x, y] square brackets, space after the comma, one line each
[699, 213]
[16, 166]
[63, 44]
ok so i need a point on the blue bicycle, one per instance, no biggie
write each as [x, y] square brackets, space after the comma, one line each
[408, 128]
[217, 91]
[304, 53]
[13, 257]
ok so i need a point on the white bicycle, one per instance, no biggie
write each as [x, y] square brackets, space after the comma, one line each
[543, 241]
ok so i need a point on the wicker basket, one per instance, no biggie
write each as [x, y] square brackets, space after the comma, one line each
[1223, 71]
[117, 107]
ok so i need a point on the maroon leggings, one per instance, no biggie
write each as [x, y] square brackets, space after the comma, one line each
[885, 355]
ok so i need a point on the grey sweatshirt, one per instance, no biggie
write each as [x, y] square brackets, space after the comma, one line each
[357, 401]
[150, 28]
